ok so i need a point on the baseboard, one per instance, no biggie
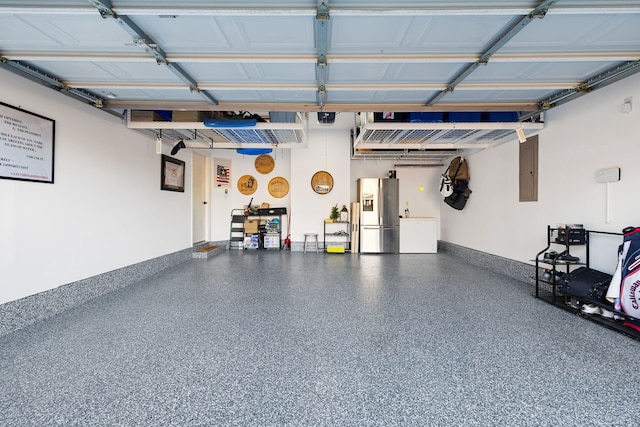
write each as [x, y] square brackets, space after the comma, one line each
[514, 269]
[23, 312]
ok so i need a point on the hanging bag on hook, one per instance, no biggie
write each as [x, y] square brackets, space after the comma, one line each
[458, 200]
[459, 165]
[459, 179]
[446, 186]
[451, 182]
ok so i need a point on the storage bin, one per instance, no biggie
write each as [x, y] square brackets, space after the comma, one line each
[282, 117]
[428, 117]
[502, 116]
[272, 241]
[252, 242]
[462, 117]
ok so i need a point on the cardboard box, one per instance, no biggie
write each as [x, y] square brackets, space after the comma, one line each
[264, 205]
[191, 116]
[251, 226]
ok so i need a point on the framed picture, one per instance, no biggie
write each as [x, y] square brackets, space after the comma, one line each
[172, 174]
[223, 173]
[26, 145]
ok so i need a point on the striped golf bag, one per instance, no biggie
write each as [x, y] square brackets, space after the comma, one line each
[624, 290]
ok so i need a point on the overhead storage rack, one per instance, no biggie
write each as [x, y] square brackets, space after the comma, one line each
[433, 140]
[199, 135]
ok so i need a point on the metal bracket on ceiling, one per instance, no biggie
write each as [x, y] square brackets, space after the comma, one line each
[143, 40]
[104, 8]
[322, 97]
[506, 35]
[322, 12]
[598, 81]
[51, 82]
[322, 40]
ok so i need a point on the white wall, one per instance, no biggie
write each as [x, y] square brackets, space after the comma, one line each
[223, 202]
[580, 137]
[419, 191]
[329, 148]
[105, 209]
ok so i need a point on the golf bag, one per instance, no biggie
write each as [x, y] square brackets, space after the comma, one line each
[624, 290]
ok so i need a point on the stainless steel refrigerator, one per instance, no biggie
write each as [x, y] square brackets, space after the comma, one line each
[379, 215]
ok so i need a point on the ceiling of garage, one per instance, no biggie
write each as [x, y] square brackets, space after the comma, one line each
[310, 56]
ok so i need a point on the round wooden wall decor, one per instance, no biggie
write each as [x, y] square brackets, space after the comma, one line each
[322, 182]
[278, 187]
[247, 185]
[264, 163]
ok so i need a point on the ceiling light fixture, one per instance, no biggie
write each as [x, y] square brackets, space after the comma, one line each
[177, 147]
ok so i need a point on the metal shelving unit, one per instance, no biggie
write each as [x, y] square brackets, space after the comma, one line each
[547, 290]
[340, 230]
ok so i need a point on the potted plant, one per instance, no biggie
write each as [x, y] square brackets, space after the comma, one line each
[335, 214]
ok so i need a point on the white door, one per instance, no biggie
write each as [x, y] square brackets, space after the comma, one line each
[199, 198]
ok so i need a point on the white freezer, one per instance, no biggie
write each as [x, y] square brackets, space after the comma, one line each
[418, 235]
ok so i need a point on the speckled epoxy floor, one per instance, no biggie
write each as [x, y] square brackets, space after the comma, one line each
[286, 338]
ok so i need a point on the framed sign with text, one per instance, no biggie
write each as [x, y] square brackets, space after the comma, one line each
[172, 174]
[26, 145]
